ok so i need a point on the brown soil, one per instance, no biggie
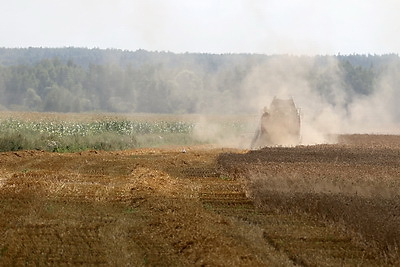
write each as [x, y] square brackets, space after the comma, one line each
[166, 207]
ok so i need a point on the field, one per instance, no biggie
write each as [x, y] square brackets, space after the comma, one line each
[198, 204]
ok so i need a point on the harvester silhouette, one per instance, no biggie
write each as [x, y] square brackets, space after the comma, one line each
[279, 125]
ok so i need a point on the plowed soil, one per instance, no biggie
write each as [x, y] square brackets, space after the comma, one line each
[202, 206]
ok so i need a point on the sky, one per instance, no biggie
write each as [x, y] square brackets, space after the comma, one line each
[297, 27]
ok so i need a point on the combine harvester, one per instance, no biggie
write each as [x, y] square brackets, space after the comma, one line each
[279, 125]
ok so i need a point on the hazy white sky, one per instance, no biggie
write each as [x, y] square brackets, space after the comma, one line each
[213, 26]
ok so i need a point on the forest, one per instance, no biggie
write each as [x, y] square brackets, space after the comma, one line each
[111, 80]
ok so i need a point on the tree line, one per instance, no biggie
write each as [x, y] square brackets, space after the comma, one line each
[96, 80]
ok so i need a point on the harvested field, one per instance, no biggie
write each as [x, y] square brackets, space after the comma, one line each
[354, 185]
[325, 205]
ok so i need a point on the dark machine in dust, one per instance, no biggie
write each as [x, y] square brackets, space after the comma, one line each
[279, 125]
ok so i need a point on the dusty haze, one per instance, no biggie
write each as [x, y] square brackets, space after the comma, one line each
[323, 114]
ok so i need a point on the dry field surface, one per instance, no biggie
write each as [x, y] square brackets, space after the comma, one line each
[325, 205]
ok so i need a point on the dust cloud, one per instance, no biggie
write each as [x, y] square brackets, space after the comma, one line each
[289, 77]
[324, 113]
[208, 129]
[378, 112]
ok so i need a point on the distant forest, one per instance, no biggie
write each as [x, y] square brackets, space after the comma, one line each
[111, 80]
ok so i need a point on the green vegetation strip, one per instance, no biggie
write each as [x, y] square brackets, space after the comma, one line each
[105, 135]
